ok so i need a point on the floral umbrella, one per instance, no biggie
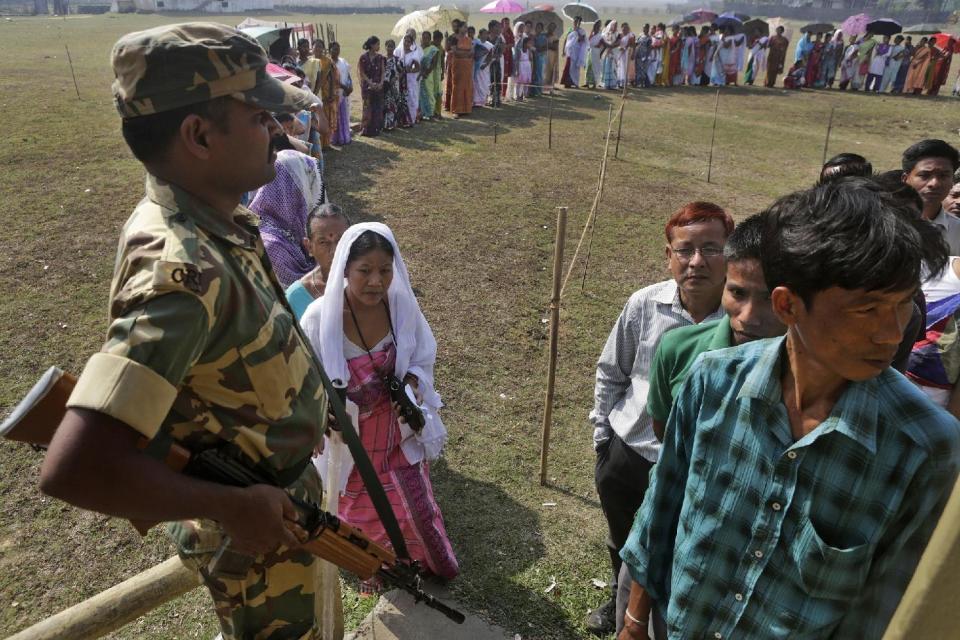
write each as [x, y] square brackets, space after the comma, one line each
[502, 7]
[856, 25]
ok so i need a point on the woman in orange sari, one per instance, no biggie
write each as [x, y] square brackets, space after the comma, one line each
[918, 67]
[461, 72]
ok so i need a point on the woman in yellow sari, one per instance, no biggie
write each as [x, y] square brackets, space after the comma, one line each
[324, 79]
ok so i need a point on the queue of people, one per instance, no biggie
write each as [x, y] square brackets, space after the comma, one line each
[764, 468]
[776, 424]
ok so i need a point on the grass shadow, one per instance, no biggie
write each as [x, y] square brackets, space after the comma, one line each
[496, 540]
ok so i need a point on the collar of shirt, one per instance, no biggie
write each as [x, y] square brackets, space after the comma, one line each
[670, 296]
[941, 219]
[722, 335]
[240, 228]
[854, 414]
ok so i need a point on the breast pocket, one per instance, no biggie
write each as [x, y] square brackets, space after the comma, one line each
[276, 364]
[829, 572]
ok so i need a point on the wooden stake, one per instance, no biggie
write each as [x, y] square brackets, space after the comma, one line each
[495, 127]
[118, 605]
[70, 60]
[550, 124]
[554, 336]
[826, 142]
[620, 126]
[713, 136]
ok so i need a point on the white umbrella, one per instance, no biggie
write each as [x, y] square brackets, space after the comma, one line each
[585, 12]
[419, 21]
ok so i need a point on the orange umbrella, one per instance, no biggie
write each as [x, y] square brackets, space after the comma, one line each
[944, 42]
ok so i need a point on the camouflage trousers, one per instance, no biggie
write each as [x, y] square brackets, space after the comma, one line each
[281, 597]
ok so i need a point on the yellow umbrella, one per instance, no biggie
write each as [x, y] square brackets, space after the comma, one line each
[419, 21]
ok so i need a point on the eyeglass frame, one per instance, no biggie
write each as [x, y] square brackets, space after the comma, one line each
[687, 253]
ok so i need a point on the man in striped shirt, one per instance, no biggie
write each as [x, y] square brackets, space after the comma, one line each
[801, 477]
[623, 430]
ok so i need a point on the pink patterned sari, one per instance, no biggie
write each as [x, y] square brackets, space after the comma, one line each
[407, 486]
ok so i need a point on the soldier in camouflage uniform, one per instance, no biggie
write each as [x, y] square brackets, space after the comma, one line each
[201, 348]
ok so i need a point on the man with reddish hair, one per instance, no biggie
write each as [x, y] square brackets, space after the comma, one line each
[623, 429]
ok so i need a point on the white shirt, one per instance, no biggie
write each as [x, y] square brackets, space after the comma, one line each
[623, 371]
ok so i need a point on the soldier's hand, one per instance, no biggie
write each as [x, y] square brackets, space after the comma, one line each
[262, 519]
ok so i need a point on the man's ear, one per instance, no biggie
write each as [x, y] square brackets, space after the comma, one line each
[787, 306]
[193, 135]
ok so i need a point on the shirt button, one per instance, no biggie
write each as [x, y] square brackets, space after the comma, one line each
[718, 635]
[758, 553]
[738, 597]
[776, 506]
[792, 455]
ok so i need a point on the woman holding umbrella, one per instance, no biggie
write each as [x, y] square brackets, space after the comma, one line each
[941, 67]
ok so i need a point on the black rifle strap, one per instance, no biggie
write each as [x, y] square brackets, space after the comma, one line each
[360, 458]
[364, 467]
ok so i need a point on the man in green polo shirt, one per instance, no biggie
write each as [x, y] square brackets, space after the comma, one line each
[746, 300]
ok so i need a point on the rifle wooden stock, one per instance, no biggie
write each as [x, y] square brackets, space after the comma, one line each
[35, 420]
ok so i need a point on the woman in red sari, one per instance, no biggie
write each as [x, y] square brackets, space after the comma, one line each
[370, 68]
[813, 62]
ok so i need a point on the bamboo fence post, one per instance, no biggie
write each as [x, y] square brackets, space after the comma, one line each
[713, 136]
[495, 127]
[72, 72]
[554, 336]
[826, 142]
[550, 124]
[118, 605]
[620, 126]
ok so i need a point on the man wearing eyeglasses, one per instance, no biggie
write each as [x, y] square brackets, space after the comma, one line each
[623, 429]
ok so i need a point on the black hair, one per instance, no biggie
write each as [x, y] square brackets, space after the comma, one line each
[892, 182]
[283, 117]
[389, 44]
[149, 137]
[493, 24]
[365, 243]
[929, 149]
[843, 165]
[334, 44]
[319, 41]
[849, 234]
[437, 34]
[369, 42]
[744, 242]
[281, 142]
[935, 249]
[302, 41]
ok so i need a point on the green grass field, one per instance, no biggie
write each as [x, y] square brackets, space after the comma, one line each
[474, 215]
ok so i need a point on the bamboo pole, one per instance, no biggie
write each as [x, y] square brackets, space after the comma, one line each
[550, 124]
[118, 605]
[72, 73]
[495, 127]
[620, 126]
[826, 142]
[713, 136]
[554, 336]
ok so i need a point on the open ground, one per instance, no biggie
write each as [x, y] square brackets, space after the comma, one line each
[474, 214]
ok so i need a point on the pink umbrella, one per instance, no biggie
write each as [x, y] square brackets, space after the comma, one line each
[502, 6]
[856, 25]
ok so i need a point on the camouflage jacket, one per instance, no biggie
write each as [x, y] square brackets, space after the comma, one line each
[201, 346]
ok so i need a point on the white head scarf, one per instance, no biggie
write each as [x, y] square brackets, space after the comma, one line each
[415, 345]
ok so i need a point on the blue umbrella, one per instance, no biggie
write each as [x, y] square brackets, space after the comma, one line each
[729, 21]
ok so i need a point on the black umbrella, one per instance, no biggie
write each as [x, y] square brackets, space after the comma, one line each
[884, 27]
[817, 27]
[742, 17]
[756, 28]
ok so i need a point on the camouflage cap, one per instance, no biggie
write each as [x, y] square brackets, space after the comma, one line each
[176, 65]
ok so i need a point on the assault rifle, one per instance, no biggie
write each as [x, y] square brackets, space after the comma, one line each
[35, 419]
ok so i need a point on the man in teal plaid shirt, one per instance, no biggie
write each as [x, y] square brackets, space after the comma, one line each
[800, 478]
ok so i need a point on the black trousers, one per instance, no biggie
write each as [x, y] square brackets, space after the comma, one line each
[622, 477]
[496, 79]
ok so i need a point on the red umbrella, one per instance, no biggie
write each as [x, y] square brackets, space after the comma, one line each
[944, 42]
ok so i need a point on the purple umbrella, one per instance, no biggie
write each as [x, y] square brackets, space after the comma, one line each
[700, 16]
[856, 25]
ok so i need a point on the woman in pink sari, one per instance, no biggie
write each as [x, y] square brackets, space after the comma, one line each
[367, 327]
